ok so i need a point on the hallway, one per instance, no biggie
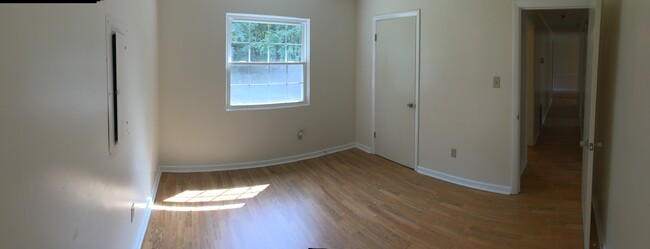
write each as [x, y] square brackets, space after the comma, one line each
[555, 162]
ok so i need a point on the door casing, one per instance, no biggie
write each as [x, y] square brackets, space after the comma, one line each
[412, 13]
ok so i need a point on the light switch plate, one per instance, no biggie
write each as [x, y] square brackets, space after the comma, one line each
[496, 83]
[453, 153]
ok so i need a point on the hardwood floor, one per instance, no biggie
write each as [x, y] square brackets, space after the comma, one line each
[352, 199]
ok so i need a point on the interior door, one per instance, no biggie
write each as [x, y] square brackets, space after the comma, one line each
[395, 79]
[588, 137]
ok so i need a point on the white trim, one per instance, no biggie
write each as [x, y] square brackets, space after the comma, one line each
[365, 148]
[255, 164]
[599, 225]
[464, 182]
[552, 4]
[113, 26]
[375, 19]
[306, 25]
[515, 174]
[147, 213]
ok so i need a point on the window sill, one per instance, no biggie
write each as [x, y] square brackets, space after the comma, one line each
[265, 107]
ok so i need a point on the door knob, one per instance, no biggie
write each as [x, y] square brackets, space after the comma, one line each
[583, 143]
[410, 105]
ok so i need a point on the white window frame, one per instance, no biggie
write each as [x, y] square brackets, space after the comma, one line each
[305, 23]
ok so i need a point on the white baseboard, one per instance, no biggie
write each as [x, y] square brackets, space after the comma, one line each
[147, 213]
[365, 148]
[465, 182]
[143, 227]
[599, 225]
[255, 164]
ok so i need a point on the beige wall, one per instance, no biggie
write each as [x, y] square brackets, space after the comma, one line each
[59, 186]
[196, 129]
[621, 173]
[464, 44]
[540, 91]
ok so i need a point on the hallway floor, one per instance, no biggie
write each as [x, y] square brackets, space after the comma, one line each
[555, 162]
[352, 199]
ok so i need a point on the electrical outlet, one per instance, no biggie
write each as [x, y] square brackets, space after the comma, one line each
[300, 135]
[496, 82]
[132, 211]
[453, 153]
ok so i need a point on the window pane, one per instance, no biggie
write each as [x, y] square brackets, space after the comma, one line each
[277, 33]
[259, 94]
[239, 95]
[259, 74]
[259, 32]
[295, 74]
[259, 52]
[239, 74]
[277, 53]
[294, 92]
[266, 63]
[278, 73]
[294, 53]
[239, 31]
[294, 34]
[239, 52]
[278, 93]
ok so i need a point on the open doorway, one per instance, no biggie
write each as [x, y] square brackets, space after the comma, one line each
[585, 107]
[554, 90]
[553, 63]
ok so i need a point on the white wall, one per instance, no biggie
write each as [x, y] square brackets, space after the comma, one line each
[544, 82]
[464, 44]
[195, 128]
[566, 51]
[59, 186]
[621, 173]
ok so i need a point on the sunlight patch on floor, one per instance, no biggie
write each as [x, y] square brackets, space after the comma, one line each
[214, 195]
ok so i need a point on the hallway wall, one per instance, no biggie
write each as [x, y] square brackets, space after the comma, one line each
[621, 183]
[60, 187]
[540, 92]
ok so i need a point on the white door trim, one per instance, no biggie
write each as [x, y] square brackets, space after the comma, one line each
[552, 4]
[412, 13]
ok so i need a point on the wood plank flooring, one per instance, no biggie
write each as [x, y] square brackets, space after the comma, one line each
[352, 199]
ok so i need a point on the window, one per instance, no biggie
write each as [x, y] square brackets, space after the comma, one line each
[267, 62]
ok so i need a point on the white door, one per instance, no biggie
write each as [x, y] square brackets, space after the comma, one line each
[591, 83]
[395, 87]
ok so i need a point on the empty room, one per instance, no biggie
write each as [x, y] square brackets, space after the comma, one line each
[325, 124]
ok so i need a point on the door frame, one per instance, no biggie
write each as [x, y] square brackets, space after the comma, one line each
[517, 7]
[375, 19]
